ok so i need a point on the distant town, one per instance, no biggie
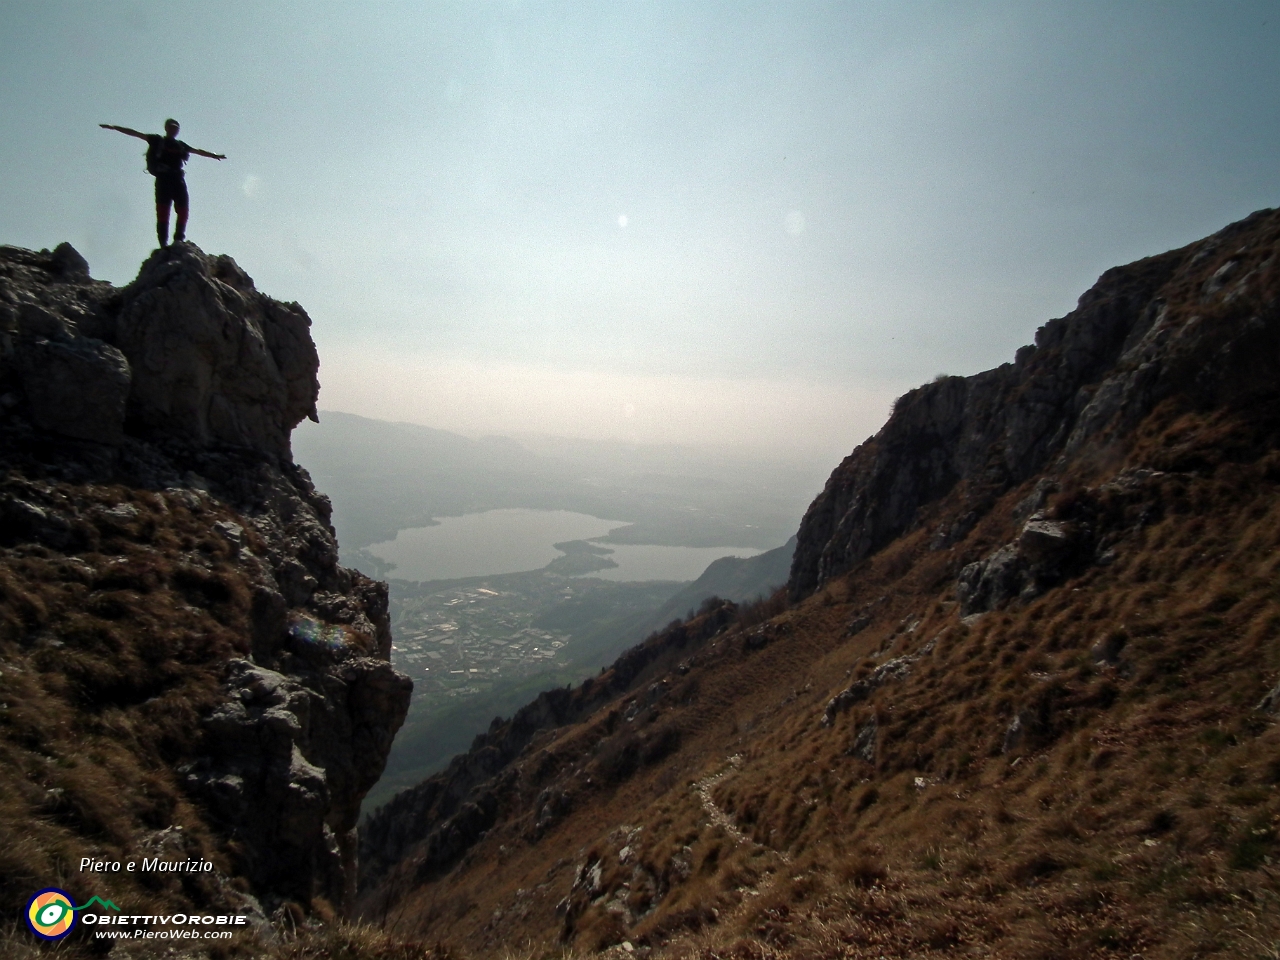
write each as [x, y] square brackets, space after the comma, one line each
[461, 638]
[458, 642]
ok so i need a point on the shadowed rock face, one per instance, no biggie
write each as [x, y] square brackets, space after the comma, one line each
[1200, 323]
[186, 385]
[189, 349]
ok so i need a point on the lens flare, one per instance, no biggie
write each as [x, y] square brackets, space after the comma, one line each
[307, 632]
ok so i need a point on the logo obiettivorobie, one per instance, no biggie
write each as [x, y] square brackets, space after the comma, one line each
[51, 913]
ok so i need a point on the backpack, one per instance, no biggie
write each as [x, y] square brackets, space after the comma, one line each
[155, 166]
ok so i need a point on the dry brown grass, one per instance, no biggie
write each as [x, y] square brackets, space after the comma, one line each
[109, 654]
[1139, 813]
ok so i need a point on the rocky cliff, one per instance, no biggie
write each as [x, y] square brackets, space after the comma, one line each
[1194, 326]
[184, 663]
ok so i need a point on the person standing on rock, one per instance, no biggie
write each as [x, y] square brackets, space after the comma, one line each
[165, 157]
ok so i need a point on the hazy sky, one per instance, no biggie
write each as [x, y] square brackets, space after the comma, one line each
[685, 220]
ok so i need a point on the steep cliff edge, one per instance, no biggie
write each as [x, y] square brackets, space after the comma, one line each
[1195, 327]
[185, 669]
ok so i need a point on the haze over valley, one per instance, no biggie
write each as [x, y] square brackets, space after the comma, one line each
[500, 587]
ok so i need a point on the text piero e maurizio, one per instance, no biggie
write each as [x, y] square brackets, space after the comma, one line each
[146, 865]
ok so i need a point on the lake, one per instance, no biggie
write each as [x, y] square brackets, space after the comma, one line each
[516, 540]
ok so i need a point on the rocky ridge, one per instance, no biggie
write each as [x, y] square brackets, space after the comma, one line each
[1193, 323]
[166, 567]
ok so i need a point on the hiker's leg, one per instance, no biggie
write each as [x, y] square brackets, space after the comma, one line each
[180, 205]
[162, 222]
[163, 199]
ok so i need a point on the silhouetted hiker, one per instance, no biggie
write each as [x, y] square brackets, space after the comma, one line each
[165, 157]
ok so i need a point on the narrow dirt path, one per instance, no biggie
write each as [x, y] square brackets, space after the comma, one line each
[718, 817]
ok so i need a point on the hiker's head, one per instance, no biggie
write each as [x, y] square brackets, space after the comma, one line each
[171, 127]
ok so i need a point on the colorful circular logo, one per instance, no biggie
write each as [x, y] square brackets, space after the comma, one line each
[51, 914]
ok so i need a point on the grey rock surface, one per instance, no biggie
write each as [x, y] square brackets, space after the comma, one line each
[77, 387]
[992, 581]
[290, 757]
[891, 670]
[189, 350]
[1175, 324]
[864, 741]
[1045, 543]
[213, 358]
[1271, 702]
[1015, 733]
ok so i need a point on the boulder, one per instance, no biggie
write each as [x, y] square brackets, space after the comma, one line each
[68, 262]
[992, 581]
[214, 360]
[76, 387]
[1271, 702]
[864, 741]
[1041, 557]
[1045, 543]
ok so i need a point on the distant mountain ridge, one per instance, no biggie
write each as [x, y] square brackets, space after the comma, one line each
[740, 579]
[384, 477]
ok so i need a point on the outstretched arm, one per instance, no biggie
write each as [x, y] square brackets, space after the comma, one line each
[126, 130]
[206, 153]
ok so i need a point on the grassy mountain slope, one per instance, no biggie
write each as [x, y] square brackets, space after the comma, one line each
[1018, 711]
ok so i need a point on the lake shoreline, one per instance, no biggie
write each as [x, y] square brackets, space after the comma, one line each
[525, 540]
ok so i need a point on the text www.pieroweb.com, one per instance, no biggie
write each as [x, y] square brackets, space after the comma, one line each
[174, 927]
[142, 934]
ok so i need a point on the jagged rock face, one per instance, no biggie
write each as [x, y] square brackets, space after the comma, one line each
[1200, 323]
[189, 349]
[212, 357]
[290, 758]
[144, 443]
[77, 387]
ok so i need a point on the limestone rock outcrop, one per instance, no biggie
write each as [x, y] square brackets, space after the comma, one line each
[190, 349]
[1201, 324]
[290, 756]
[144, 447]
[1041, 556]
